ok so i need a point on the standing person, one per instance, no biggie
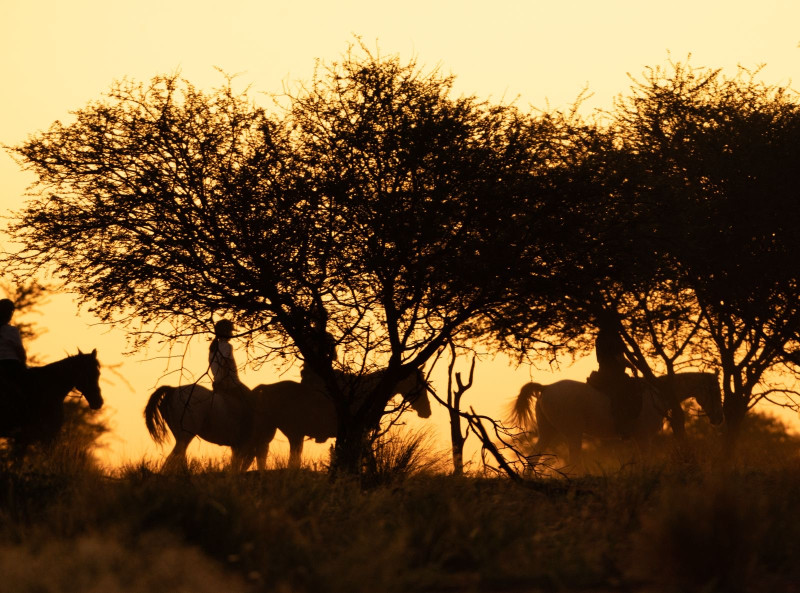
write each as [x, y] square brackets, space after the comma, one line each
[13, 359]
[612, 362]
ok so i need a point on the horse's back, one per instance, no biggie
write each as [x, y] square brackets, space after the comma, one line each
[574, 407]
[214, 417]
[296, 409]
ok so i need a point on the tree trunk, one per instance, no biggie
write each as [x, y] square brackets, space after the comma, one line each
[457, 439]
[677, 419]
[735, 409]
[350, 447]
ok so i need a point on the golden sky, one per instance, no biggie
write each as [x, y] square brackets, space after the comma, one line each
[57, 55]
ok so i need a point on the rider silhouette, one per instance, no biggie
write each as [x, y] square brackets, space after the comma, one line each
[224, 372]
[12, 361]
[611, 378]
[225, 380]
[12, 354]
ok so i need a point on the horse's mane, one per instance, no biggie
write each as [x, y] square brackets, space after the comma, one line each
[67, 360]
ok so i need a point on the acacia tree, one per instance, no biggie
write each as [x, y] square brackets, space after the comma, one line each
[632, 269]
[723, 151]
[376, 209]
[429, 188]
[610, 252]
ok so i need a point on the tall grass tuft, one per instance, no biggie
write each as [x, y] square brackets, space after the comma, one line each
[398, 454]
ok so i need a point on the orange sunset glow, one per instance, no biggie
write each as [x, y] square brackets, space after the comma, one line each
[357, 296]
[61, 56]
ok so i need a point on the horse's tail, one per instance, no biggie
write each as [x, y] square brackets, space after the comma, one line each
[153, 418]
[521, 410]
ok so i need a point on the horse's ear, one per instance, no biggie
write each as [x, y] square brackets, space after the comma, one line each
[79, 352]
[94, 353]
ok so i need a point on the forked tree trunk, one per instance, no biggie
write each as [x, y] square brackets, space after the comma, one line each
[735, 410]
[348, 454]
[457, 439]
[677, 418]
[350, 447]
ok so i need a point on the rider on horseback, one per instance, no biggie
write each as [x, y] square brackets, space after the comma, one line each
[12, 362]
[224, 372]
[12, 354]
[323, 349]
[611, 378]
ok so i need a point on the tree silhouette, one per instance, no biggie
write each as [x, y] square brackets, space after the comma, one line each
[677, 211]
[376, 209]
[721, 152]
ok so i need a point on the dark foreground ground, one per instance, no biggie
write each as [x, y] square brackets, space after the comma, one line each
[685, 522]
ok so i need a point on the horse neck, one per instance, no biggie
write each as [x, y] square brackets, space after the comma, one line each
[59, 374]
[361, 386]
[686, 385]
[366, 386]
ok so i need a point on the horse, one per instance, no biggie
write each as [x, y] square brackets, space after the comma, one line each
[569, 409]
[37, 412]
[191, 411]
[304, 409]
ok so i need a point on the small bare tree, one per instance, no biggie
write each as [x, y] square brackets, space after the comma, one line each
[457, 436]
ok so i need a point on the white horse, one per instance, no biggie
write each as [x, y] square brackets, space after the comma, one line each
[304, 409]
[566, 410]
[297, 409]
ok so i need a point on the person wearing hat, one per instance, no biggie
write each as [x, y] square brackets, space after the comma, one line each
[236, 400]
[224, 372]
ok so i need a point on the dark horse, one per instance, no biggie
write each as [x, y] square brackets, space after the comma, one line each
[297, 409]
[301, 410]
[37, 413]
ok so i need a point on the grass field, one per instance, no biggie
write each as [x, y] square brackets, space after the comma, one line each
[682, 522]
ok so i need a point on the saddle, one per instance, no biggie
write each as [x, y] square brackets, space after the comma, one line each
[625, 395]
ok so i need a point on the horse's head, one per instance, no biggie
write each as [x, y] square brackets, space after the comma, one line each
[710, 398]
[87, 377]
[415, 391]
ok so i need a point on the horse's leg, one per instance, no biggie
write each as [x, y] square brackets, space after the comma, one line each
[295, 450]
[262, 448]
[575, 445]
[548, 435]
[176, 460]
[241, 458]
[262, 451]
[542, 445]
